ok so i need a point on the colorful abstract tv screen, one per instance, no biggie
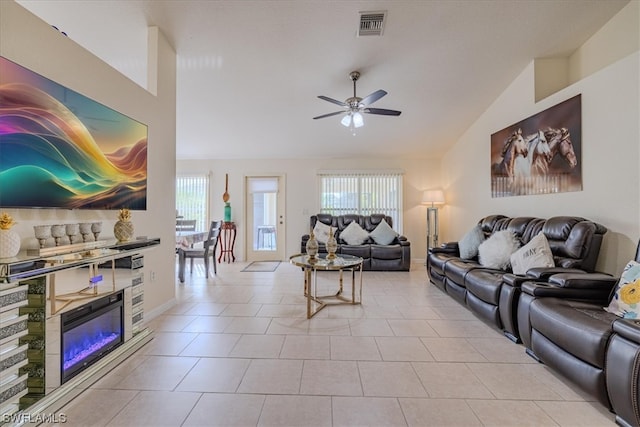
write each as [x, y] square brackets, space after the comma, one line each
[60, 149]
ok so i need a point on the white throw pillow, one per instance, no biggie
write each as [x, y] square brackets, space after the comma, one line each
[321, 231]
[354, 234]
[626, 299]
[470, 242]
[496, 251]
[383, 234]
[536, 253]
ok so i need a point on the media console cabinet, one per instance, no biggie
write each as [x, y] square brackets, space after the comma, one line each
[68, 315]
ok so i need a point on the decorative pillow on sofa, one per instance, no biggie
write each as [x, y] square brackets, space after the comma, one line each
[536, 253]
[354, 234]
[321, 231]
[495, 252]
[383, 234]
[624, 302]
[469, 243]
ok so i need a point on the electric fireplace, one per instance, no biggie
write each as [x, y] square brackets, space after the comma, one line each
[90, 332]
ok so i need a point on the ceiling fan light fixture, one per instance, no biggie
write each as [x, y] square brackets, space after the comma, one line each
[354, 107]
[358, 119]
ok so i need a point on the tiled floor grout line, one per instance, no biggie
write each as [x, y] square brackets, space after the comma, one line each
[241, 322]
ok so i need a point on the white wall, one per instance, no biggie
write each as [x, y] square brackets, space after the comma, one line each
[34, 44]
[302, 192]
[610, 153]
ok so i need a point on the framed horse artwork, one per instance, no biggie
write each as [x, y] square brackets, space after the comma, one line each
[540, 154]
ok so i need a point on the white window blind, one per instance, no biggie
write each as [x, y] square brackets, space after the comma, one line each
[362, 193]
[192, 199]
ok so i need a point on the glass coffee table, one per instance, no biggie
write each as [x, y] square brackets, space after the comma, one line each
[340, 263]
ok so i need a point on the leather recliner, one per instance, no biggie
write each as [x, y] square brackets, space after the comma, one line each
[564, 325]
[395, 256]
[575, 243]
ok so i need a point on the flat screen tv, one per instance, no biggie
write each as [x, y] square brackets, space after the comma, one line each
[60, 149]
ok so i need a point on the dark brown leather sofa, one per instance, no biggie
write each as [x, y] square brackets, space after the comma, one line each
[574, 241]
[395, 256]
[564, 325]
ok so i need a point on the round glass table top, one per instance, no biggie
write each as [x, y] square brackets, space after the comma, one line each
[322, 263]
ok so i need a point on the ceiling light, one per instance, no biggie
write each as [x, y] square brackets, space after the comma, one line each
[346, 120]
[358, 119]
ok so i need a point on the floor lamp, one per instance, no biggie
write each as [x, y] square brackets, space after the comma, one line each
[431, 198]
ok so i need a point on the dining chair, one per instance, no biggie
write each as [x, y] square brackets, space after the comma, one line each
[207, 251]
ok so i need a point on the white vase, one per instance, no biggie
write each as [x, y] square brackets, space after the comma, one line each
[9, 243]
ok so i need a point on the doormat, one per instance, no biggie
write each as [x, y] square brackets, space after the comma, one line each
[262, 266]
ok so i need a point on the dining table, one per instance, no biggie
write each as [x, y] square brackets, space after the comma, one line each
[185, 240]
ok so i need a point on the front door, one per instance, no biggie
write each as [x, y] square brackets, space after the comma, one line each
[265, 218]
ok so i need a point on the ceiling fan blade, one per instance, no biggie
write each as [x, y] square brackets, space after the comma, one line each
[370, 99]
[335, 101]
[382, 111]
[328, 115]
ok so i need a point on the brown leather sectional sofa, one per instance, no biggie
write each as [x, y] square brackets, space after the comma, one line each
[557, 312]
[574, 241]
[395, 256]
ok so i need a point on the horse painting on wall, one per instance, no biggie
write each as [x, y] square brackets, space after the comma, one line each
[539, 155]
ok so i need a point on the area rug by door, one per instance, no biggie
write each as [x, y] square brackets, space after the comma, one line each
[262, 266]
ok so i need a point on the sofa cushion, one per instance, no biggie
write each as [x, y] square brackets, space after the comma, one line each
[383, 234]
[469, 243]
[457, 269]
[321, 231]
[625, 299]
[485, 284]
[386, 252]
[536, 253]
[495, 252]
[580, 328]
[354, 234]
[363, 251]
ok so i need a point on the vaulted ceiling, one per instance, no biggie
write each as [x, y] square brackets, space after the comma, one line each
[249, 72]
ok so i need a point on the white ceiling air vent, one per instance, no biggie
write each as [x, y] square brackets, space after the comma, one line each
[371, 23]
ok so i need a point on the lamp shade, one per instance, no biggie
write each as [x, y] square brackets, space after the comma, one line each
[433, 197]
[358, 120]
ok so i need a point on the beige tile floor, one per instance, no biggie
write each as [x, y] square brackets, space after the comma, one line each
[237, 350]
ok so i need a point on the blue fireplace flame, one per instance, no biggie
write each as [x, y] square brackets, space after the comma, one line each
[90, 346]
[90, 333]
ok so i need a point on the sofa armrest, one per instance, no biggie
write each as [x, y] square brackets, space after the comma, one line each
[599, 281]
[628, 329]
[543, 273]
[569, 289]
[402, 241]
[514, 280]
[563, 277]
[447, 248]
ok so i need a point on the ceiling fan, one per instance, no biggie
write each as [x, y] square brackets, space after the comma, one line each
[355, 106]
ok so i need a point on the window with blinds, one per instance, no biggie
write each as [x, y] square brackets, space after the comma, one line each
[192, 199]
[362, 193]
